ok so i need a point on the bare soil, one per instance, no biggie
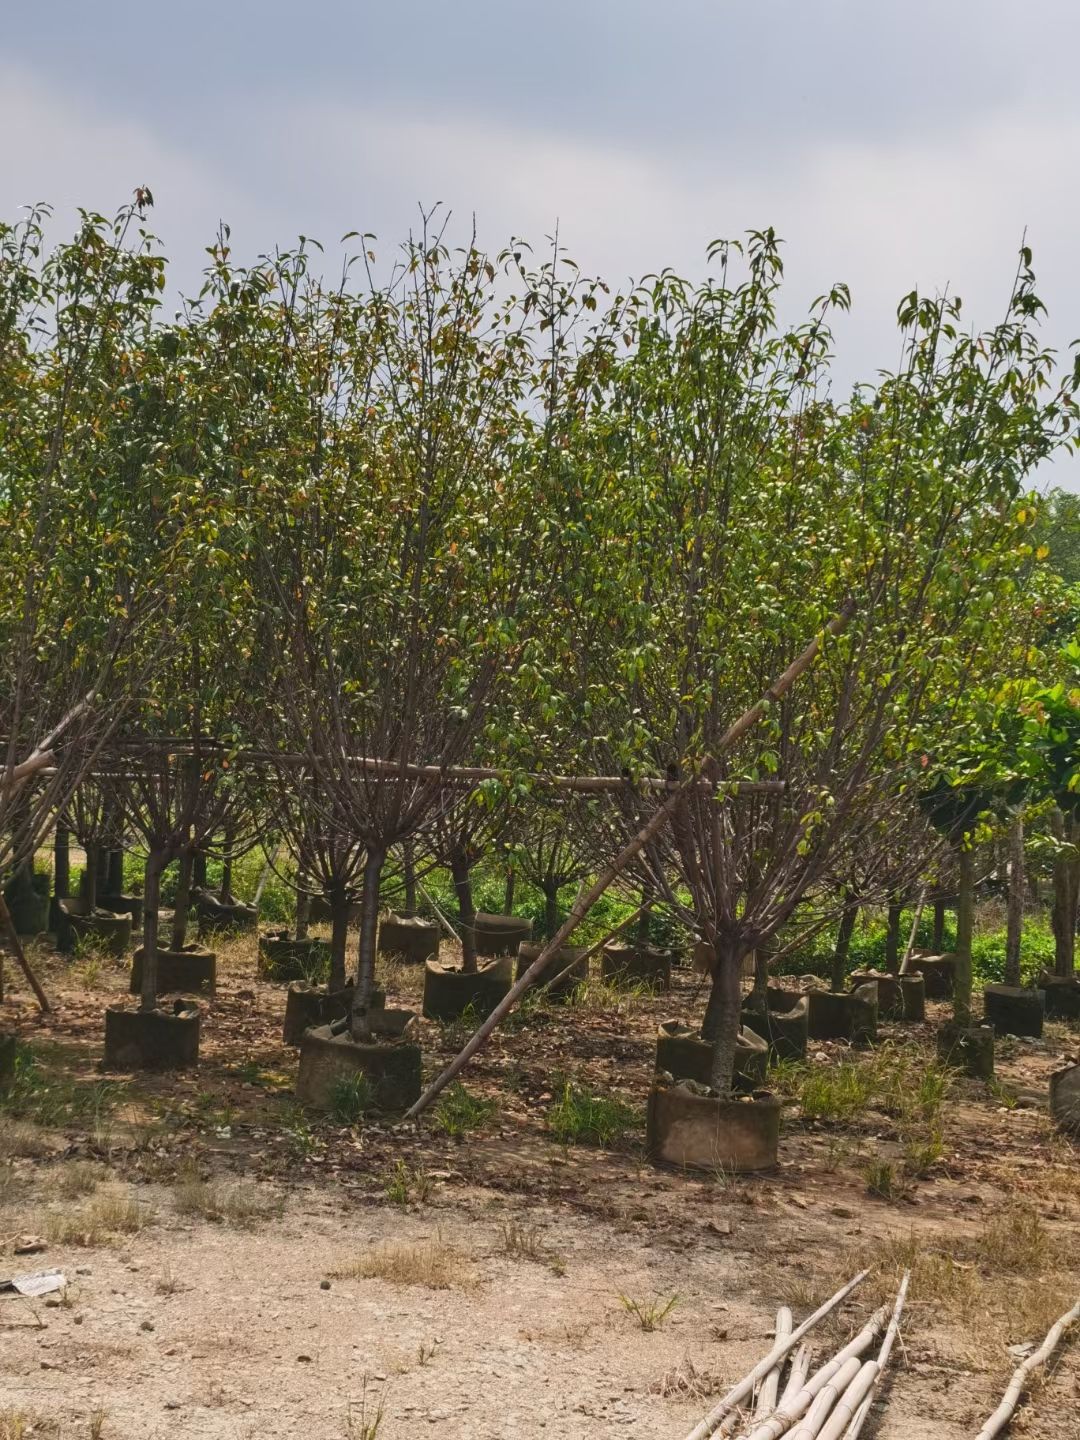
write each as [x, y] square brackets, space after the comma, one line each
[231, 1311]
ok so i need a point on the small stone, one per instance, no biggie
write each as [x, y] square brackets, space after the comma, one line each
[147, 1325]
[303, 1359]
[324, 1284]
[83, 1270]
[841, 1212]
[77, 1319]
[172, 1404]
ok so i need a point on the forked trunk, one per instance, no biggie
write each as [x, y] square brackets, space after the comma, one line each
[151, 902]
[62, 863]
[462, 876]
[1066, 894]
[339, 931]
[965, 926]
[369, 934]
[843, 944]
[408, 863]
[183, 901]
[1015, 912]
[723, 1017]
[550, 888]
[892, 936]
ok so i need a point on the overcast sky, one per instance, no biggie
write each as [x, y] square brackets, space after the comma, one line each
[891, 145]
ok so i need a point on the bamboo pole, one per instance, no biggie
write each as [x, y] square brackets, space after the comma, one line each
[800, 1368]
[1005, 1411]
[15, 945]
[585, 902]
[766, 1400]
[859, 1418]
[825, 1399]
[796, 1403]
[745, 1386]
[914, 932]
[443, 921]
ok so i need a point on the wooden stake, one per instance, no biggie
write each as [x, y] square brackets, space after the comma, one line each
[745, 1386]
[8, 927]
[1005, 1411]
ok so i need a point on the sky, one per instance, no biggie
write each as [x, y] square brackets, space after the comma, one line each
[890, 145]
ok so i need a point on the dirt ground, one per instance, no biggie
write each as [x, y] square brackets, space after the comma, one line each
[239, 1269]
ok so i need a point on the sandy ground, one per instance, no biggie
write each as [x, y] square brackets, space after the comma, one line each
[195, 1328]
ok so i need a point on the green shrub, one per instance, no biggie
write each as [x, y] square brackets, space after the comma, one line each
[579, 1116]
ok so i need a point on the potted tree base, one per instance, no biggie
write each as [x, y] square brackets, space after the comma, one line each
[850, 1017]
[900, 997]
[215, 914]
[1012, 1010]
[500, 934]
[152, 1039]
[75, 924]
[309, 1006]
[1062, 994]
[408, 938]
[783, 1022]
[391, 1062]
[1065, 1098]
[704, 1132]
[189, 970]
[124, 905]
[569, 956]
[636, 965]
[683, 1054]
[28, 901]
[449, 992]
[939, 973]
[969, 1048]
[281, 958]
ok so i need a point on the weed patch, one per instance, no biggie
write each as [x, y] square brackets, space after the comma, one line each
[581, 1117]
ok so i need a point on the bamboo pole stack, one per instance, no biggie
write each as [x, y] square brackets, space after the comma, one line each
[829, 1403]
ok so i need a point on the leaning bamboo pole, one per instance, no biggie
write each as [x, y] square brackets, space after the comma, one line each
[1005, 1411]
[914, 932]
[797, 1403]
[858, 1420]
[654, 825]
[738, 1392]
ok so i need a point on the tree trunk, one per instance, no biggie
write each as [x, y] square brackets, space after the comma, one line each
[508, 890]
[1066, 892]
[1015, 911]
[965, 926]
[723, 1016]
[644, 927]
[198, 873]
[90, 877]
[892, 935]
[114, 879]
[462, 875]
[550, 888]
[62, 863]
[369, 934]
[937, 942]
[762, 955]
[339, 932]
[843, 944]
[225, 894]
[408, 863]
[151, 901]
[303, 909]
[102, 869]
[183, 901]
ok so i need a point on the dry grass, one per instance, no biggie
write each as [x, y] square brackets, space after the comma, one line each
[79, 1178]
[20, 1139]
[103, 1220]
[244, 1204]
[685, 1381]
[431, 1263]
[19, 1425]
[525, 1242]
